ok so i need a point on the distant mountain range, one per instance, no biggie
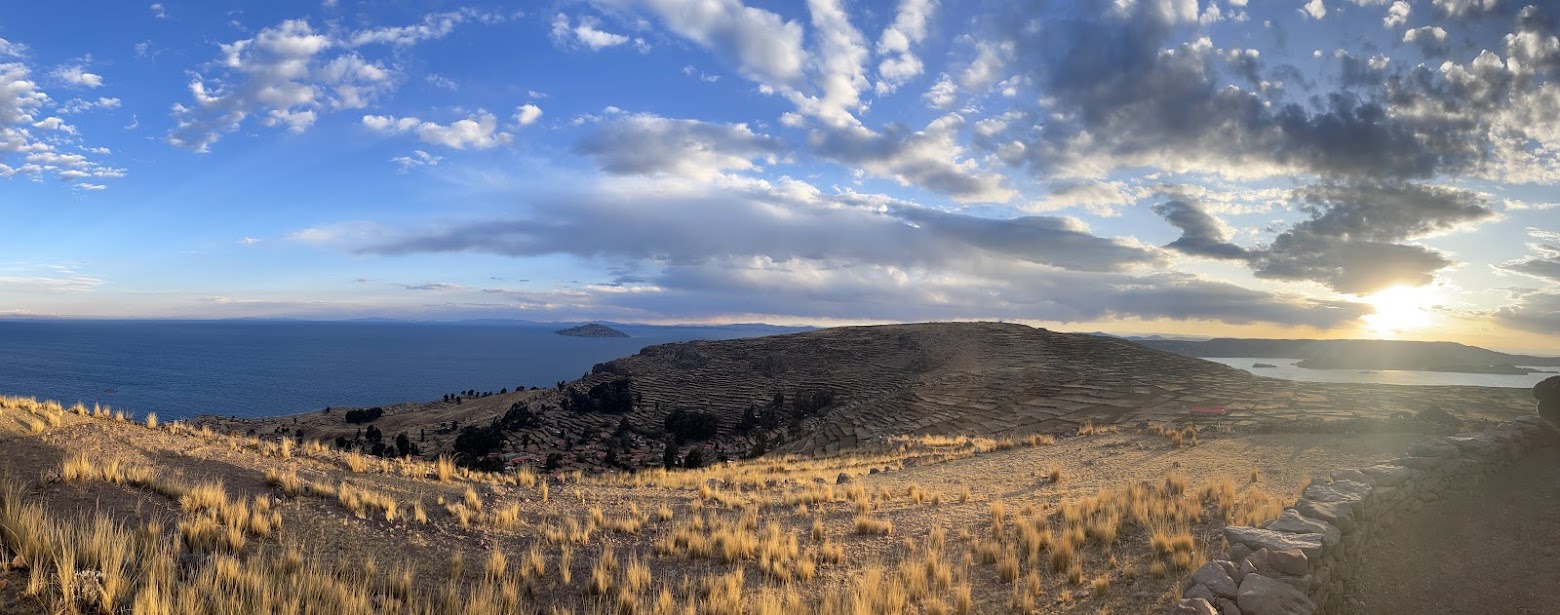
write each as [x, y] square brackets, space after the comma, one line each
[1358, 354]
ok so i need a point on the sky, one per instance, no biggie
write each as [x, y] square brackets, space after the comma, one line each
[1259, 168]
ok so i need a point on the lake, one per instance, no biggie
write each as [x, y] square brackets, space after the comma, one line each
[180, 369]
[1288, 371]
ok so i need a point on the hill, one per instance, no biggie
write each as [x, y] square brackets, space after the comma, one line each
[591, 330]
[1358, 354]
[841, 389]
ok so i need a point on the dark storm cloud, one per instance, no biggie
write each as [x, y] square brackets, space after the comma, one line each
[1348, 243]
[1201, 234]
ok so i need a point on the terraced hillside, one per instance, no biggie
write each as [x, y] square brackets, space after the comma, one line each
[872, 383]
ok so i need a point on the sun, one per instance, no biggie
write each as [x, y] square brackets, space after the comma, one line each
[1401, 308]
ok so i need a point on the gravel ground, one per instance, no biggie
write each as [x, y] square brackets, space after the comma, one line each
[1492, 550]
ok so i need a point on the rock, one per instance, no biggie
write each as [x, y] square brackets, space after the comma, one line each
[1232, 569]
[1290, 561]
[1258, 538]
[1238, 553]
[1420, 463]
[872, 471]
[1548, 395]
[1339, 514]
[17, 563]
[1439, 416]
[842, 479]
[1473, 442]
[1432, 449]
[1385, 475]
[1192, 606]
[1350, 474]
[1199, 591]
[1226, 607]
[1260, 595]
[1293, 522]
[1216, 579]
[1341, 491]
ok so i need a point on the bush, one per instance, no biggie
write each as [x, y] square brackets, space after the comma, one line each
[474, 444]
[611, 397]
[685, 425]
[519, 416]
[365, 416]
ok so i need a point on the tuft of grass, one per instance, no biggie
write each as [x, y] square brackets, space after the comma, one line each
[866, 524]
[151, 420]
[444, 468]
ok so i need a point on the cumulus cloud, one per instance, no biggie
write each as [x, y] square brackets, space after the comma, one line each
[527, 114]
[1397, 14]
[1431, 40]
[763, 45]
[288, 74]
[77, 75]
[30, 141]
[1466, 8]
[1315, 9]
[1098, 197]
[895, 45]
[586, 33]
[434, 26]
[477, 132]
[647, 144]
[283, 75]
[931, 158]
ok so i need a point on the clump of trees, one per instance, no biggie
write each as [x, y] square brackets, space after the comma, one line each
[691, 425]
[365, 416]
[615, 396]
[519, 416]
[475, 445]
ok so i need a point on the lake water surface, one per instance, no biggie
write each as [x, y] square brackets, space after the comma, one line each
[1288, 371]
[181, 368]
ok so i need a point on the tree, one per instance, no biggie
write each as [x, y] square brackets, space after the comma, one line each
[685, 425]
[669, 459]
[695, 458]
[403, 443]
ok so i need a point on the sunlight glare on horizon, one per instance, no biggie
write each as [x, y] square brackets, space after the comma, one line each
[1401, 308]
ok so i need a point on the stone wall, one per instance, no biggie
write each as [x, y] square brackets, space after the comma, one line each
[1303, 563]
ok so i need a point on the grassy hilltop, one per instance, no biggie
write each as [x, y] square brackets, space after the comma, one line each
[955, 469]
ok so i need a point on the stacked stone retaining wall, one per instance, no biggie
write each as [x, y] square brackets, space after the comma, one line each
[1304, 562]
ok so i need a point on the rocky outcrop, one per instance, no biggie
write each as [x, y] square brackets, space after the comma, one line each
[1304, 562]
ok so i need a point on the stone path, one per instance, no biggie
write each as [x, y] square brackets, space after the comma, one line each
[1493, 550]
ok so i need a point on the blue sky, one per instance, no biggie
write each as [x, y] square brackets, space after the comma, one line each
[1291, 167]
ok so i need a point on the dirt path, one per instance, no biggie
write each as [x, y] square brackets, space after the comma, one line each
[1492, 550]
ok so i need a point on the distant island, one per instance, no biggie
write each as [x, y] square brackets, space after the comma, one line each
[592, 330]
[1262, 365]
[1360, 354]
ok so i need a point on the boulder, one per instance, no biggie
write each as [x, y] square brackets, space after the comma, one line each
[1226, 607]
[1295, 523]
[1238, 552]
[1339, 514]
[1192, 606]
[1350, 474]
[1217, 579]
[1548, 395]
[1199, 591]
[1258, 538]
[842, 479]
[1439, 416]
[1260, 595]
[1290, 562]
[1386, 475]
[1474, 442]
[1432, 449]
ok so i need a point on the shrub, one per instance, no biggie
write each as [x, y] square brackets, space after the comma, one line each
[365, 416]
[685, 425]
